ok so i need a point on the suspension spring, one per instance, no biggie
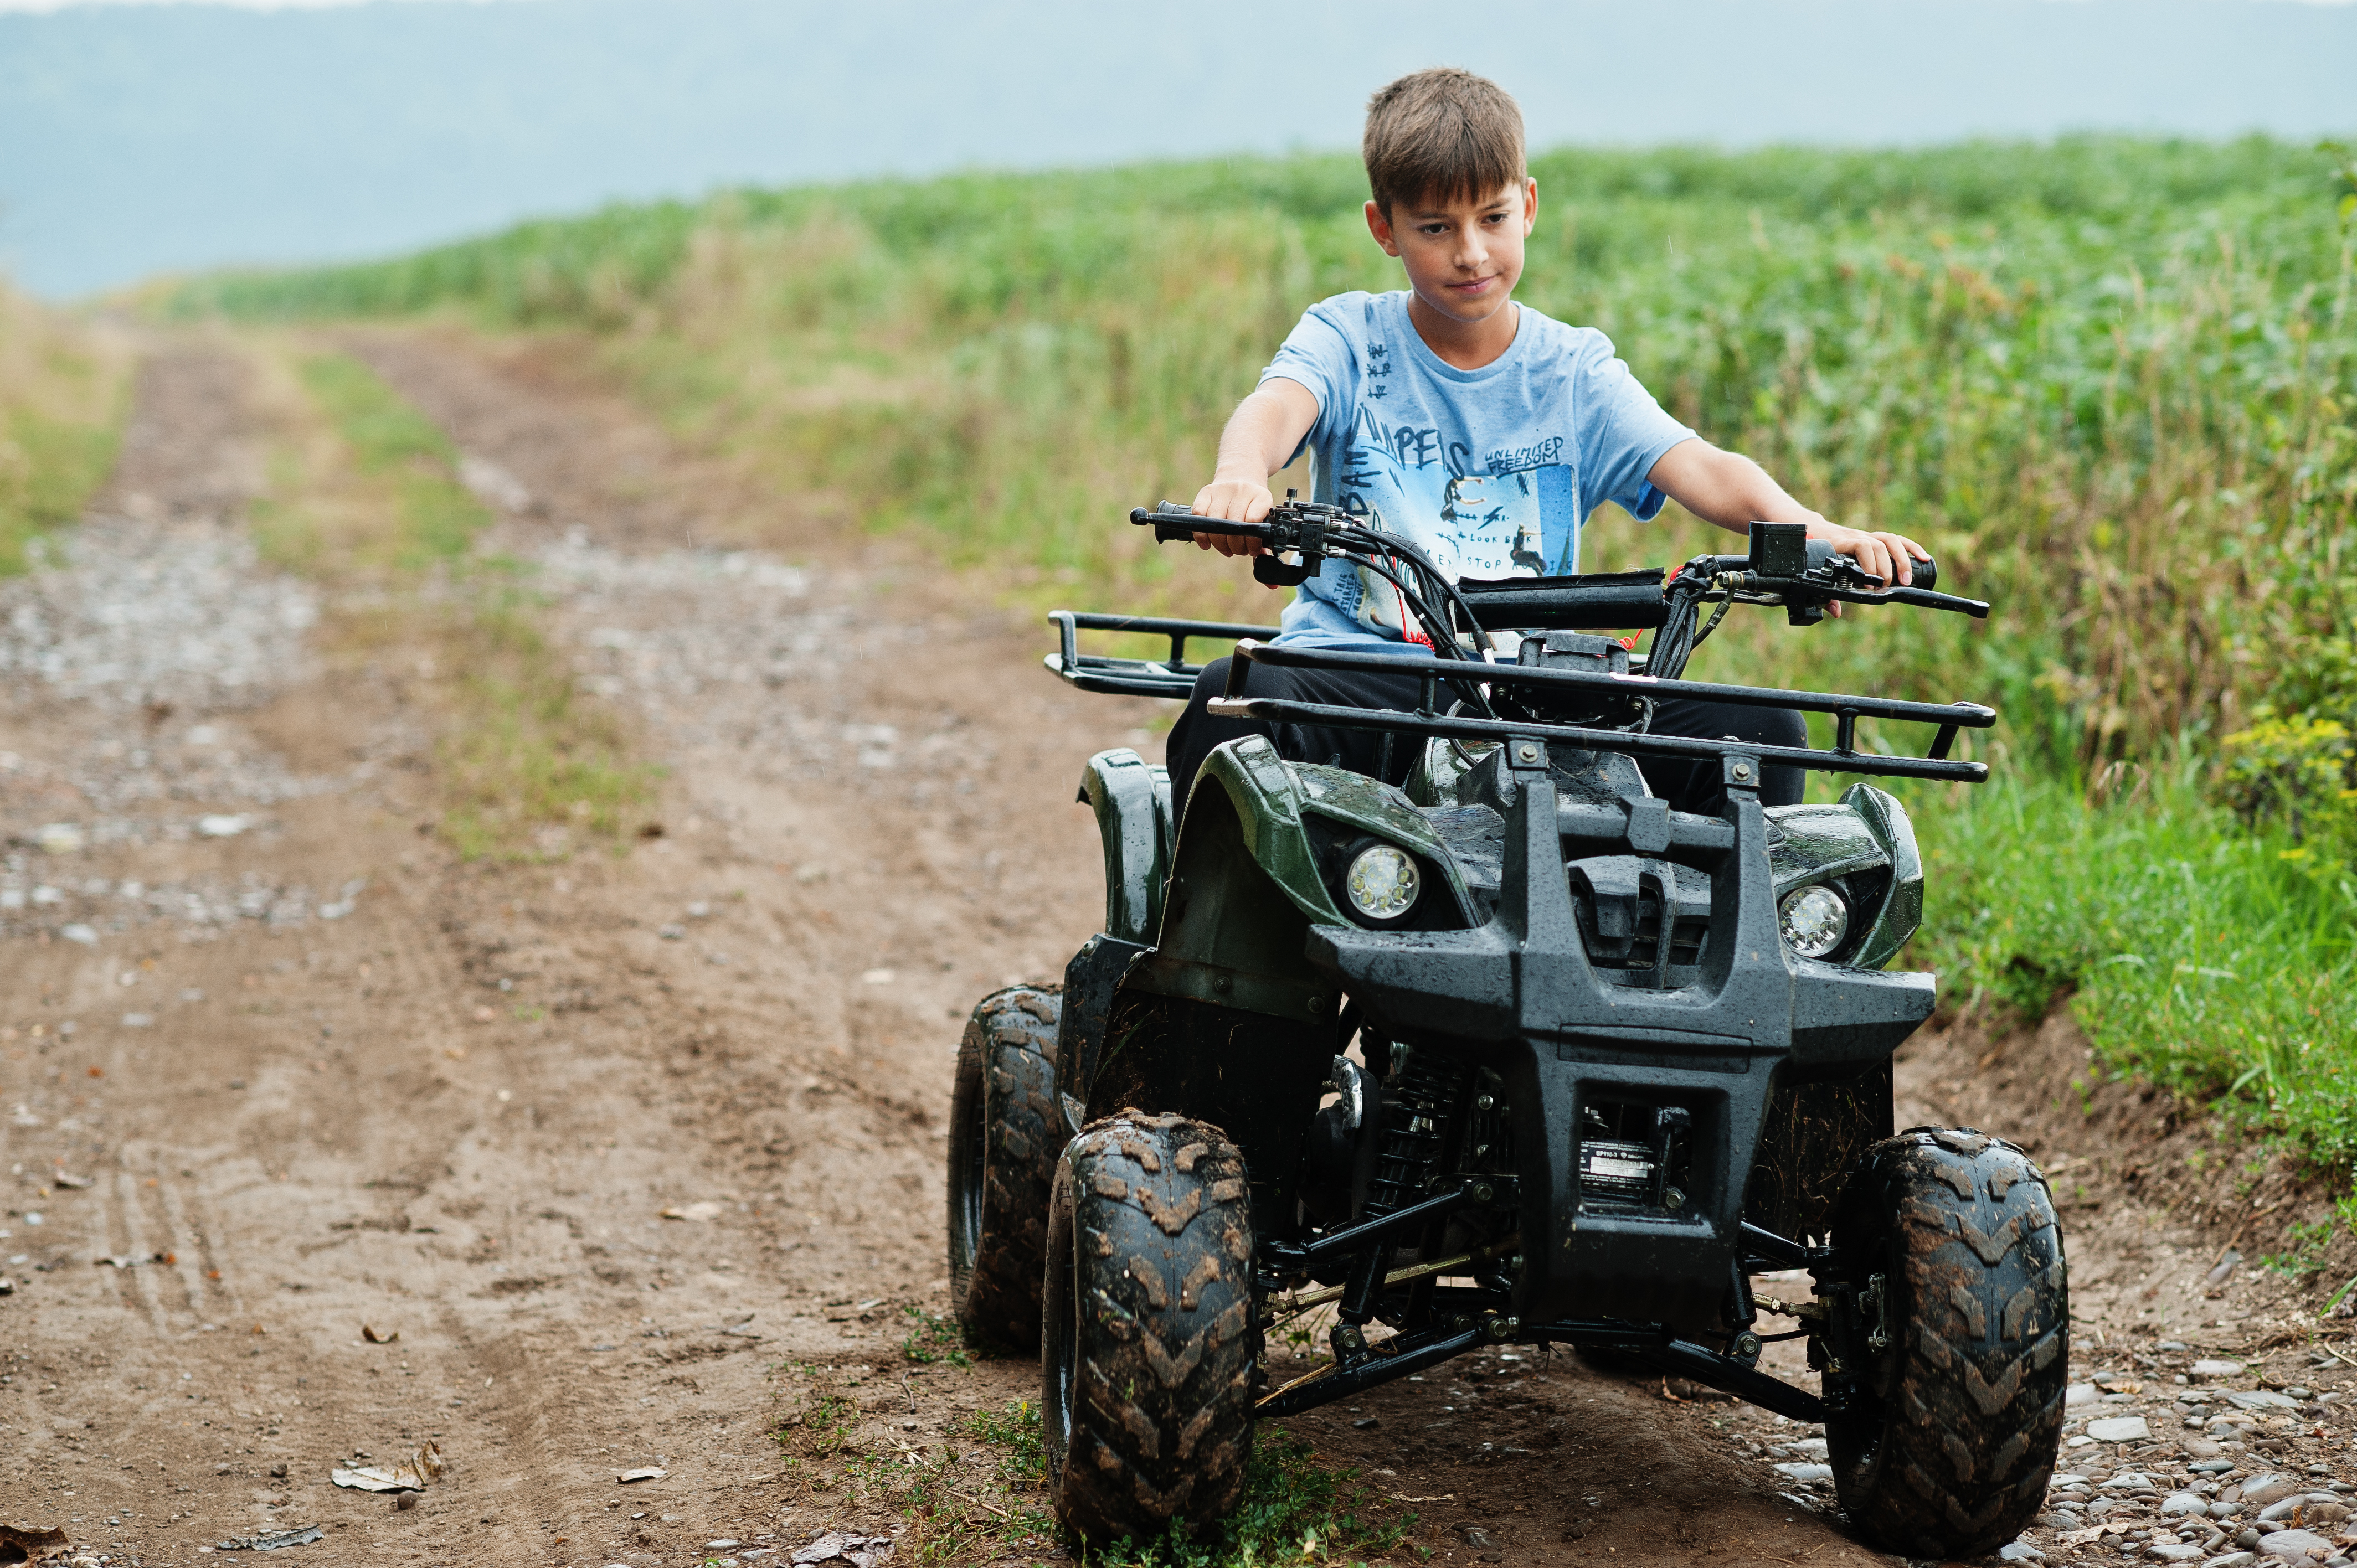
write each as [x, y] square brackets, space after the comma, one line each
[1416, 1109]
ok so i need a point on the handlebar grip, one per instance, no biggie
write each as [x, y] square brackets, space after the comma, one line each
[1174, 524]
[1926, 574]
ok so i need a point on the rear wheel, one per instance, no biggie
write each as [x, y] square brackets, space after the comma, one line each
[1150, 1342]
[1953, 1414]
[1003, 1146]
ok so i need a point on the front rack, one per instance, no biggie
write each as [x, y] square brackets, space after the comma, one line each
[1173, 677]
[1842, 757]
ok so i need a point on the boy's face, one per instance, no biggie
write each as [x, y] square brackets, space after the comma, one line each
[1463, 258]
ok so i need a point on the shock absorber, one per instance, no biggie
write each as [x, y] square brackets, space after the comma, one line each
[1417, 1102]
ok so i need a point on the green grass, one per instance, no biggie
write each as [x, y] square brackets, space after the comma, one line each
[400, 447]
[528, 767]
[934, 1338]
[63, 399]
[2212, 959]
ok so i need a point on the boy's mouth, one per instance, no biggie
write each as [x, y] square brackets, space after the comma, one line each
[1472, 285]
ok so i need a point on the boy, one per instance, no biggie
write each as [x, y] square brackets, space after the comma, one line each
[1480, 429]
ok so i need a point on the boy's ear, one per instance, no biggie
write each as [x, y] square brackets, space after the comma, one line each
[1380, 228]
[1530, 205]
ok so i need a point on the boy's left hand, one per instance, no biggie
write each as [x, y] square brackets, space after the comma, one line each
[1889, 556]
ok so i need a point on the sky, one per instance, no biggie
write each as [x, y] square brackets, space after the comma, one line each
[140, 138]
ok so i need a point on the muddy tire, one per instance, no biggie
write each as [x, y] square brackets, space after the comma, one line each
[1150, 1342]
[1955, 1419]
[1005, 1133]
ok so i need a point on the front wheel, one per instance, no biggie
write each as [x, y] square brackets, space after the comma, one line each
[1150, 1342]
[1004, 1129]
[1946, 1436]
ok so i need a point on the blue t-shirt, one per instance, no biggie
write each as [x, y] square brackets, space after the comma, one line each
[1490, 472]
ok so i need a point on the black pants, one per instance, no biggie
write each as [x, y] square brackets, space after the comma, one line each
[1686, 785]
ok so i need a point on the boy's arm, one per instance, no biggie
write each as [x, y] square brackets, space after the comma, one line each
[1261, 437]
[1733, 491]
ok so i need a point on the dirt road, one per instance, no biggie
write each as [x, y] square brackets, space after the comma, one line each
[624, 1162]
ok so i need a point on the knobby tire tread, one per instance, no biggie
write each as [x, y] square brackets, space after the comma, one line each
[1960, 1418]
[1006, 1062]
[1154, 1212]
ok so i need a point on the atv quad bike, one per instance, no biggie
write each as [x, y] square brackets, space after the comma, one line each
[1514, 1055]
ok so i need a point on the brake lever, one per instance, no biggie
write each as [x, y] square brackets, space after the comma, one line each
[1295, 528]
[1801, 593]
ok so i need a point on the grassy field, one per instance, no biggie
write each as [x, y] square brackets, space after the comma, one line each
[64, 390]
[2109, 381]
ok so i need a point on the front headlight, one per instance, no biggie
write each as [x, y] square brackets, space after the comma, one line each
[1383, 881]
[1815, 919]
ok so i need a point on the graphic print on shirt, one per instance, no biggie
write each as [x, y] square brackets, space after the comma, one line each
[1517, 517]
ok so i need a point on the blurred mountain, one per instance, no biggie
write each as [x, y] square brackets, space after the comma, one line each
[139, 138]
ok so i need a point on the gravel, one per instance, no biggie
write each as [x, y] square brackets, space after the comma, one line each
[2294, 1545]
[133, 613]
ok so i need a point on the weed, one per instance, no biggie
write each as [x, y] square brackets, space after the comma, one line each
[934, 1338]
[820, 1424]
[1014, 1431]
[2304, 1247]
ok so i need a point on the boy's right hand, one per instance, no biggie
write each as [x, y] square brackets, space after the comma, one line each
[1237, 500]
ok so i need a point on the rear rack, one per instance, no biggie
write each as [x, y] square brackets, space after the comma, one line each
[1842, 757]
[1173, 677]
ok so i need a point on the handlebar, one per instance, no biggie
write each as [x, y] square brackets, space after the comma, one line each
[1783, 567]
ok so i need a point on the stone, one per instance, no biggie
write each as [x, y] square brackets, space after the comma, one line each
[2264, 1399]
[2019, 1552]
[2215, 1370]
[2183, 1503]
[2271, 1489]
[1804, 1472]
[2080, 1394]
[2295, 1546]
[2057, 1522]
[2119, 1429]
[2231, 1559]
[2174, 1552]
[2129, 1481]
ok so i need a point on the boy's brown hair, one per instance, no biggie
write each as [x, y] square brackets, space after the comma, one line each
[1442, 135]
